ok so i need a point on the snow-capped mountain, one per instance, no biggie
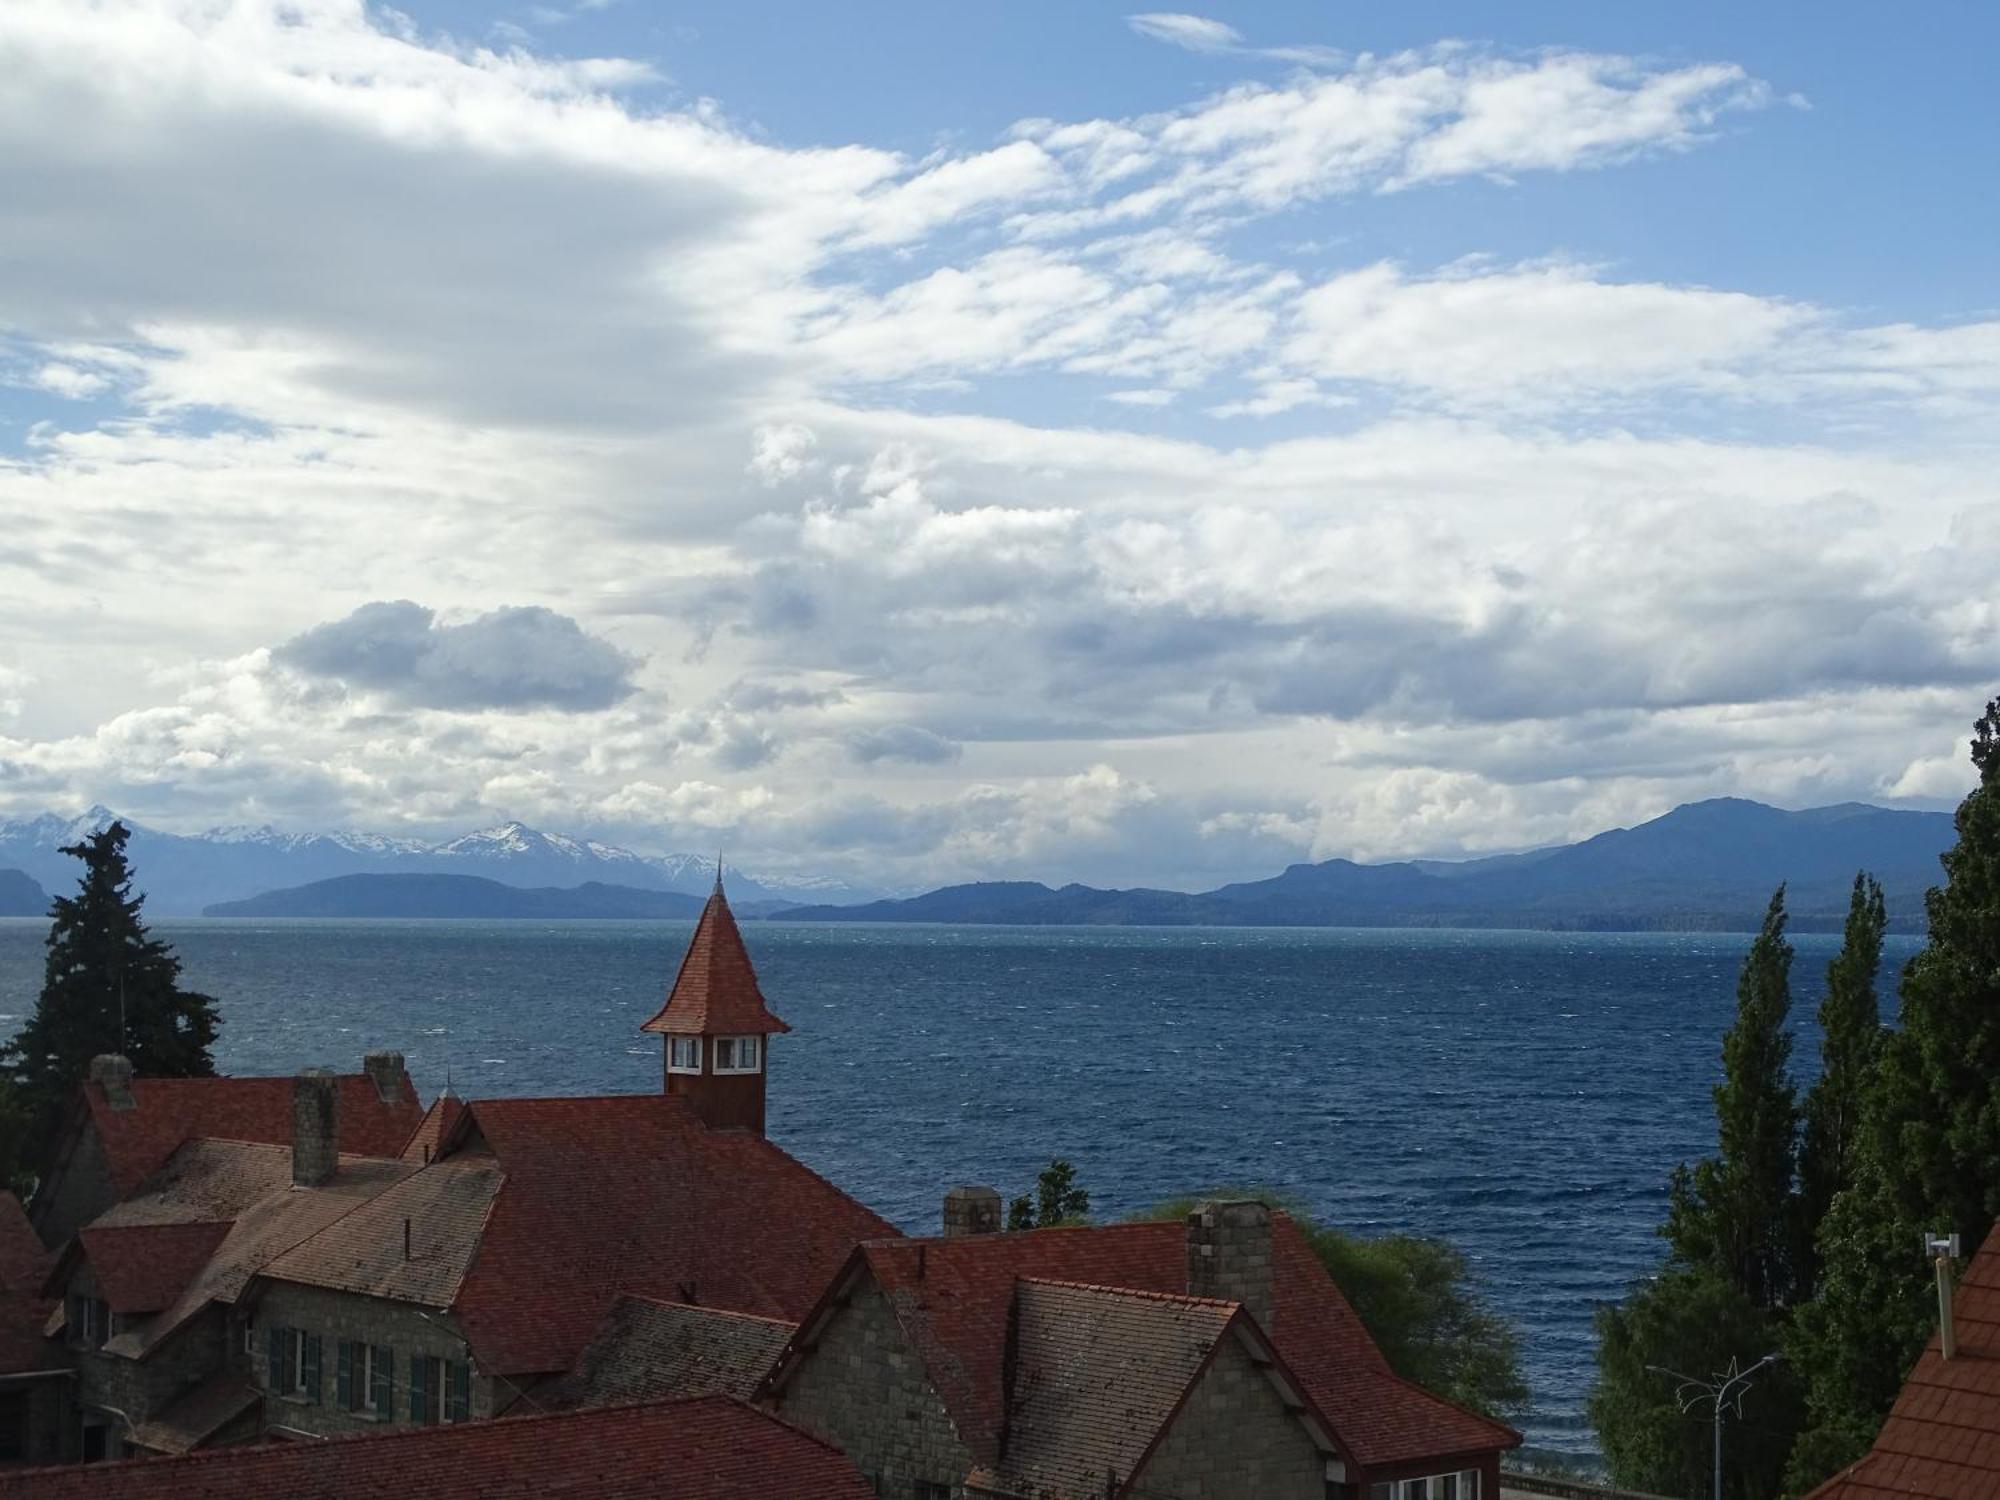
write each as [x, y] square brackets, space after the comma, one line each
[182, 873]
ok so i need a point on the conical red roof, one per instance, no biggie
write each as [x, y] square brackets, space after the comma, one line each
[716, 991]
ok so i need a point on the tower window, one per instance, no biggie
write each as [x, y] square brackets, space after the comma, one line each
[684, 1054]
[737, 1054]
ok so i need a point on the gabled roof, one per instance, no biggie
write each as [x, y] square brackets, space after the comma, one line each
[648, 1350]
[24, 1265]
[164, 1112]
[1099, 1373]
[715, 992]
[144, 1268]
[541, 1213]
[1942, 1438]
[194, 1417]
[711, 1449]
[426, 1140]
[245, 1189]
[953, 1298]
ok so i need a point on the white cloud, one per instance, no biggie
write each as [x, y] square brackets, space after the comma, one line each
[1196, 33]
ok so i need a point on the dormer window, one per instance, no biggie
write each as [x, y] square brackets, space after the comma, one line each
[738, 1054]
[683, 1054]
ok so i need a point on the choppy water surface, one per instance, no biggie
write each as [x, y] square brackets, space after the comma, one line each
[1523, 1094]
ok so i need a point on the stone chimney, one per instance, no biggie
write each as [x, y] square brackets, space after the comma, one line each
[388, 1073]
[315, 1127]
[1229, 1256]
[971, 1210]
[112, 1072]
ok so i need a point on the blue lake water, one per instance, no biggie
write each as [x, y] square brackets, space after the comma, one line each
[1522, 1094]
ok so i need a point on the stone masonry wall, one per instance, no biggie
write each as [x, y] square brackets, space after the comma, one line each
[81, 1190]
[1232, 1438]
[863, 1389]
[130, 1391]
[1229, 1256]
[336, 1316]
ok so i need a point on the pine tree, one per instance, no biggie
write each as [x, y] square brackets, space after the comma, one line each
[107, 987]
[1850, 1023]
[1732, 1214]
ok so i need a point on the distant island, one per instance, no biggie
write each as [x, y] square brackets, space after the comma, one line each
[456, 896]
[1705, 866]
[20, 896]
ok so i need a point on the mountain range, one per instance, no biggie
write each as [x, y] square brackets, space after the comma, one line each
[181, 874]
[1707, 866]
[457, 896]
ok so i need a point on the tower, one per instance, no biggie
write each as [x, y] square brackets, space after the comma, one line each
[716, 1024]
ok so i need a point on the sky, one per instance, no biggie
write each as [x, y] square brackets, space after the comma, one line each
[922, 442]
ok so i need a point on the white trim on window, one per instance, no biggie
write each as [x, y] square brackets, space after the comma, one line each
[739, 1054]
[683, 1054]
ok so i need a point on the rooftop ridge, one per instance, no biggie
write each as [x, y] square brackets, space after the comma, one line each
[1188, 1299]
[713, 1312]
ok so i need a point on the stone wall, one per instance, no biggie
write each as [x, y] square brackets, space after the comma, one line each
[1233, 1437]
[863, 1389]
[1229, 1256]
[130, 1391]
[78, 1191]
[401, 1327]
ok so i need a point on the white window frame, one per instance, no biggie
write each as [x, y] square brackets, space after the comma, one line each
[734, 1050]
[363, 1370]
[692, 1046]
[295, 1363]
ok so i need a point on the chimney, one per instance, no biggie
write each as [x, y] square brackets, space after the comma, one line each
[1229, 1256]
[971, 1210]
[388, 1073]
[112, 1072]
[1943, 1249]
[315, 1127]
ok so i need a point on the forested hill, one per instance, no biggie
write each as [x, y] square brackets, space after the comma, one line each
[20, 896]
[455, 896]
[1704, 866]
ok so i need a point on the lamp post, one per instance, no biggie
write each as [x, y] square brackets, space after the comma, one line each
[1719, 1392]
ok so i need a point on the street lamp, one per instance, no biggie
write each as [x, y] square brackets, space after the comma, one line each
[1719, 1392]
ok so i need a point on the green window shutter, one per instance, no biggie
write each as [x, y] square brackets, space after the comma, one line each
[385, 1381]
[460, 1399]
[419, 1403]
[310, 1366]
[343, 1378]
[274, 1342]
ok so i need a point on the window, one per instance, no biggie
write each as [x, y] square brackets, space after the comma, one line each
[926, 1490]
[684, 1054]
[440, 1390]
[13, 1426]
[89, 1322]
[292, 1363]
[367, 1379]
[736, 1054]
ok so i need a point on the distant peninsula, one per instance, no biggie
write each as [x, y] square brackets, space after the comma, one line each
[456, 896]
[20, 896]
[1706, 866]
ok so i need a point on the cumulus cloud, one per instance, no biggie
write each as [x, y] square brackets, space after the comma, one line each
[513, 658]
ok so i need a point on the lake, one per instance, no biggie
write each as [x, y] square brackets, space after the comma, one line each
[1523, 1094]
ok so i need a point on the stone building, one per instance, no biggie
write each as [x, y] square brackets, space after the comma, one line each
[1204, 1360]
[704, 1449]
[34, 1378]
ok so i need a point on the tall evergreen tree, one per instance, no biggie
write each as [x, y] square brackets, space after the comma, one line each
[1732, 1214]
[1850, 1023]
[106, 987]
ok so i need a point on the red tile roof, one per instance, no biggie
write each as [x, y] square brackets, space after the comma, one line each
[144, 1268]
[705, 1449]
[954, 1297]
[715, 992]
[632, 1194]
[648, 1351]
[422, 1146]
[24, 1265]
[167, 1111]
[1942, 1438]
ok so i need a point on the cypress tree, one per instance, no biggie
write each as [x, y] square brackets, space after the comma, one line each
[106, 987]
[1732, 1213]
[1850, 1022]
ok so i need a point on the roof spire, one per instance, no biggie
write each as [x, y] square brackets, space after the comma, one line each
[718, 871]
[715, 992]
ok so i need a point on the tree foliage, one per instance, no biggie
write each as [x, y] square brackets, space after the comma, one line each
[106, 987]
[1732, 1213]
[1682, 1321]
[1420, 1300]
[1058, 1199]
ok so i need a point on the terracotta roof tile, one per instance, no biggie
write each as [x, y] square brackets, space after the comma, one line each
[167, 1111]
[715, 992]
[1098, 1373]
[953, 1298]
[711, 1449]
[649, 1350]
[143, 1268]
[445, 1206]
[198, 1415]
[1942, 1437]
[24, 1309]
[425, 1142]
